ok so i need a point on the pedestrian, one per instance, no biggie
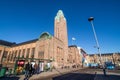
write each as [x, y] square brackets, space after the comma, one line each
[30, 70]
[104, 71]
[38, 69]
[27, 66]
[35, 68]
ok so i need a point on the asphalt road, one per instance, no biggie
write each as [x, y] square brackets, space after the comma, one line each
[84, 74]
[77, 75]
[9, 78]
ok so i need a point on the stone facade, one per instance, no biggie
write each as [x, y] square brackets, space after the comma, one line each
[3, 52]
[45, 49]
[74, 56]
[106, 57]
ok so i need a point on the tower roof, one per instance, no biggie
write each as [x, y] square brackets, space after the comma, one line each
[59, 15]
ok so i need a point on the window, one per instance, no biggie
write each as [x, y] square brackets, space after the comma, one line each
[19, 53]
[23, 53]
[12, 56]
[59, 54]
[28, 51]
[41, 55]
[5, 54]
[15, 55]
[9, 56]
[33, 52]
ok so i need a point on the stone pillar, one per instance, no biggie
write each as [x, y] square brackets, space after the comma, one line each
[36, 49]
[21, 52]
[30, 52]
[1, 57]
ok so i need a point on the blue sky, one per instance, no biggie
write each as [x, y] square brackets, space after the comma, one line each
[22, 20]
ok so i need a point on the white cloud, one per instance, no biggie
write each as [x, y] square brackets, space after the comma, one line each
[73, 38]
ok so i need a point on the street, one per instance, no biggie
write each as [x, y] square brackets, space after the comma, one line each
[84, 74]
[75, 76]
[81, 74]
[87, 74]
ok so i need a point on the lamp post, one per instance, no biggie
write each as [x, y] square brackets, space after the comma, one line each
[97, 44]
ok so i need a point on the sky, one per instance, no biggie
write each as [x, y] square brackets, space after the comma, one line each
[23, 20]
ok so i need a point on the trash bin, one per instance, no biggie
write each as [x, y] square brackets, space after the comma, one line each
[3, 71]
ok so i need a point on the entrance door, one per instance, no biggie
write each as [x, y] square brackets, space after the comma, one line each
[41, 65]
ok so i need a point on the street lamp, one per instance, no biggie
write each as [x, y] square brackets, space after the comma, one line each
[97, 44]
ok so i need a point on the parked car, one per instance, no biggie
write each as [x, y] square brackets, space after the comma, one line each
[109, 65]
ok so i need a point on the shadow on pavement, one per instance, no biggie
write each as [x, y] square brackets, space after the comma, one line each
[108, 77]
[85, 76]
[75, 76]
[9, 78]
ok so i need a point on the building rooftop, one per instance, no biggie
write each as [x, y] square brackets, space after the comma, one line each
[104, 54]
[26, 42]
[72, 46]
[6, 43]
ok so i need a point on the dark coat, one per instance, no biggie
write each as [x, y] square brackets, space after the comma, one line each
[27, 67]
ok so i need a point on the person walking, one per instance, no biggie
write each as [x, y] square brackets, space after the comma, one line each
[104, 71]
[27, 67]
[30, 70]
[36, 68]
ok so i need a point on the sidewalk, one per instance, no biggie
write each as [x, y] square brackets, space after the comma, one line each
[55, 72]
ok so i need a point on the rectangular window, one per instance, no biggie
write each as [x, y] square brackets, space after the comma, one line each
[12, 56]
[15, 55]
[19, 53]
[33, 52]
[5, 54]
[41, 52]
[41, 55]
[9, 56]
[28, 51]
[59, 55]
[23, 53]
